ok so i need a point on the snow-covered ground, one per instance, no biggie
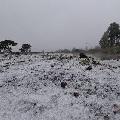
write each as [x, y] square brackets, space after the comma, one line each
[30, 89]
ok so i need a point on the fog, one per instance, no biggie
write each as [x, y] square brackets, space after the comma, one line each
[55, 24]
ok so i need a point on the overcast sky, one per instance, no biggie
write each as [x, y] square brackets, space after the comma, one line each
[54, 24]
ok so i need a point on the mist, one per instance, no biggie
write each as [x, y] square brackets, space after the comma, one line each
[55, 24]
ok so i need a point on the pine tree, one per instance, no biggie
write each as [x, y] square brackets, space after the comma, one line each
[111, 37]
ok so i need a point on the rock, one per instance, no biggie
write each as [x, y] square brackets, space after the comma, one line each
[116, 108]
[89, 68]
[52, 66]
[82, 55]
[63, 84]
[106, 117]
[76, 94]
[71, 57]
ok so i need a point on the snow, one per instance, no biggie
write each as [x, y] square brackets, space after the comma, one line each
[30, 89]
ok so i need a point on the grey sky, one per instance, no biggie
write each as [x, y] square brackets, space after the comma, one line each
[54, 24]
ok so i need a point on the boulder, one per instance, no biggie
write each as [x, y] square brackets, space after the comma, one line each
[63, 84]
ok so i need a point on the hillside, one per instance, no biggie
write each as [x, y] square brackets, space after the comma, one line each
[33, 87]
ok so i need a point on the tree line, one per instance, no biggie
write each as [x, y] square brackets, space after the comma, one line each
[109, 40]
[6, 47]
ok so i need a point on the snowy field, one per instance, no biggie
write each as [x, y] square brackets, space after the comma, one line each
[31, 89]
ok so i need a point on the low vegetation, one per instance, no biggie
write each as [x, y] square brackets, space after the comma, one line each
[55, 86]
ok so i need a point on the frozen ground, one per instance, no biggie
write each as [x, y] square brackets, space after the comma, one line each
[30, 89]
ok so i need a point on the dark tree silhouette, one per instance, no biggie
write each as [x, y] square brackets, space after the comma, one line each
[104, 42]
[6, 45]
[111, 37]
[114, 34]
[26, 48]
